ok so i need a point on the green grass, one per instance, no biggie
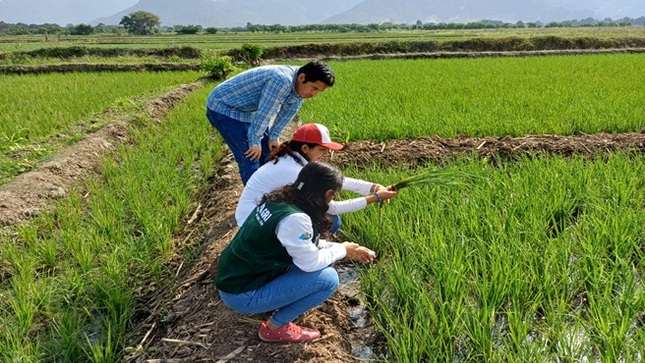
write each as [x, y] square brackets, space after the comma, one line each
[564, 95]
[43, 113]
[534, 261]
[71, 279]
[225, 41]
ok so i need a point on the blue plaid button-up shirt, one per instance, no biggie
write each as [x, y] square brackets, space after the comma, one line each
[256, 96]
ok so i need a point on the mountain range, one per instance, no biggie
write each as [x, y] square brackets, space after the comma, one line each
[230, 13]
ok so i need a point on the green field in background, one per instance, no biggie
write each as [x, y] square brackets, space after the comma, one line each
[228, 40]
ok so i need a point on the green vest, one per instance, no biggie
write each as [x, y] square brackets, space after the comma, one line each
[255, 256]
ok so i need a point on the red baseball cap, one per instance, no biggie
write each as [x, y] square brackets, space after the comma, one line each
[315, 134]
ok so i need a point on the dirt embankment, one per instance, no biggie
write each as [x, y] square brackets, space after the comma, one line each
[29, 193]
[69, 68]
[158, 67]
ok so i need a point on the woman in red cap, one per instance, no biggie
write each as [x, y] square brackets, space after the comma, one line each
[310, 142]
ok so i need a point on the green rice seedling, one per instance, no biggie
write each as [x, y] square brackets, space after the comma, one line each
[437, 177]
[483, 97]
[110, 243]
[101, 351]
[45, 250]
[83, 253]
[14, 346]
[541, 261]
[67, 337]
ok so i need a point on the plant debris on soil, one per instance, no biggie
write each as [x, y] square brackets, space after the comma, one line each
[189, 323]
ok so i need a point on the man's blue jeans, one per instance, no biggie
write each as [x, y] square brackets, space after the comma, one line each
[289, 295]
[235, 133]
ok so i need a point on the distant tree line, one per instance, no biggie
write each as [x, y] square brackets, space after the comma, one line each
[147, 23]
[419, 25]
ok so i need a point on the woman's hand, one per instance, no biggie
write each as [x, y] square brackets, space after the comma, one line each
[359, 253]
[382, 195]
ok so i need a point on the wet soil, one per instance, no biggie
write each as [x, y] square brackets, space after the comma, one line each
[189, 323]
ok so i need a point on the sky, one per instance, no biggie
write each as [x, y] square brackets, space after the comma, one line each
[85, 11]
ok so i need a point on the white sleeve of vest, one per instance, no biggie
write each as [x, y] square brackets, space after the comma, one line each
[295, 232]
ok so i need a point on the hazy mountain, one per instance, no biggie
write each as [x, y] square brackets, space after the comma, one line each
[409, 11]
[227, 13]
[62, 12]
[615, 9]
[173, 12]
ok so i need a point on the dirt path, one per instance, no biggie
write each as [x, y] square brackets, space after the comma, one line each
[189, 323]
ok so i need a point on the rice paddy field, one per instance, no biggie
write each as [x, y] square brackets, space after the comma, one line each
[229, 40]
[42, 113]
[530, 260]
[536, 260]
[563, 95]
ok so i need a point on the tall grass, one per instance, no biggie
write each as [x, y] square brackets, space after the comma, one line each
[71, 278]
[41, 113]
[535, 261]
[565, 95]
[38, 106]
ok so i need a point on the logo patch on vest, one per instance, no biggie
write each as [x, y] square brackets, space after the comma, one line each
[262, 214]
[305, 236]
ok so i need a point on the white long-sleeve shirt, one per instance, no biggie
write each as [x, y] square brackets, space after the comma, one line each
[305, 254]
[271, 176]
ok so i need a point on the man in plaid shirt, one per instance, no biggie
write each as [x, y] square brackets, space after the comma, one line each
[242, 107]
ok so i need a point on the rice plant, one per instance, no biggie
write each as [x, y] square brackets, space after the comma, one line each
[538, 260]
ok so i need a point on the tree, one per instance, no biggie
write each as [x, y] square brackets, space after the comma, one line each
[140, 22]
[189, 29]
[251, 53]
[82, 29]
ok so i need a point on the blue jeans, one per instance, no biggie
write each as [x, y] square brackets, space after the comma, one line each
[235, 135]
[289, 295]
[336, 220]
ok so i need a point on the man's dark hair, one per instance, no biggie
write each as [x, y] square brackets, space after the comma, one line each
[318, 71]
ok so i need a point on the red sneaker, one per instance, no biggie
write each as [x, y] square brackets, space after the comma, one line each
[290, 333]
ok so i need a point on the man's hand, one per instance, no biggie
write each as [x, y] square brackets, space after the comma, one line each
[273, 145]
[253, 153]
